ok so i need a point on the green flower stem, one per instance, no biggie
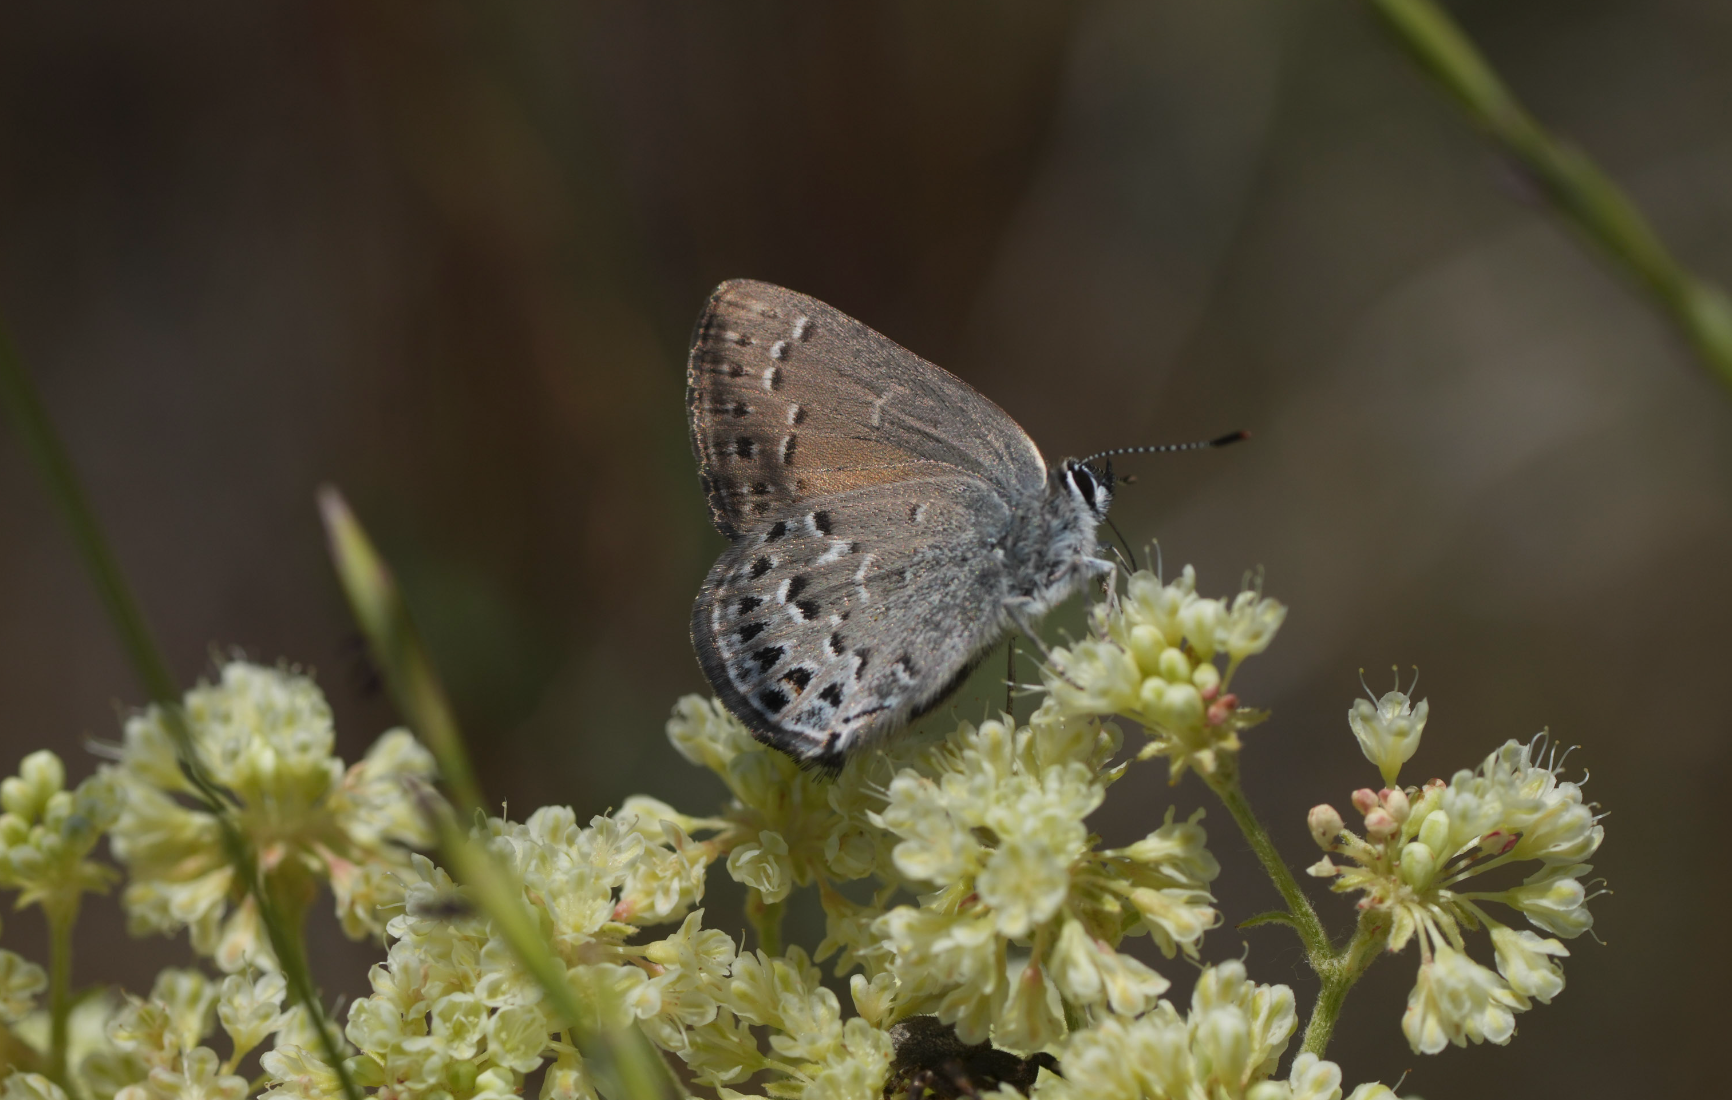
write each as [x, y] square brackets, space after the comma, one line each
[36, 432]
[766, 918]
[1224, 781]
[1347, 968]
[1571, 182]
[1338, 969]
[18, 394]
[61, 918]
[622, 1062]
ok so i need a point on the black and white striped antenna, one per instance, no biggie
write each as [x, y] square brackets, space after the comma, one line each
[1161, 448]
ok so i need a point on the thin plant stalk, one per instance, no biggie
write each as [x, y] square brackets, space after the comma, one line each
[1337, 969]
[766, 920]
[24, 405]
[1348, 966]
[1573, 184]
[61, 917]
[1224, 781]
[623, 1062]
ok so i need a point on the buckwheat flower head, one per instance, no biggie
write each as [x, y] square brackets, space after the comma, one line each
[265, 736]
[992, 817]
[1225, 1048]
[1164, 657]
[47, 833]
[1414, 869]
[813, 1052]
[783, 827]
[153, 1048]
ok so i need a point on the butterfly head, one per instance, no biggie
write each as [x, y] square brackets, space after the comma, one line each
[1089, 484]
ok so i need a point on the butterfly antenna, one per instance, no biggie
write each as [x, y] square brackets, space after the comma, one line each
[1161, 448]
[1010, 681]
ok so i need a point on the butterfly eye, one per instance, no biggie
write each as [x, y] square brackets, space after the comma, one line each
[1085, 484]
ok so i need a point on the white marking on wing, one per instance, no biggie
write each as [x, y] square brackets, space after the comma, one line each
[838, 549]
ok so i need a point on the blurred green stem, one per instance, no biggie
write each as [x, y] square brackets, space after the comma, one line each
[1571, 182]
[24, 405]
[766, 918]
[622, 1062]
[61, 917]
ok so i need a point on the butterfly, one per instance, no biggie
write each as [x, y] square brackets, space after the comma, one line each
[889, 524]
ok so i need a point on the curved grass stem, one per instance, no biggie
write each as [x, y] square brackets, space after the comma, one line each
[1572, 183]
[622, 1061]
[24, 405]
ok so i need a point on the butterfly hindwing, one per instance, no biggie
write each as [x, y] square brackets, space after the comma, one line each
[831, 624]
[791, 400]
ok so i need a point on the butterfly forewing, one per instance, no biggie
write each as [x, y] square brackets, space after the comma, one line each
[827, 626]
[792, 401]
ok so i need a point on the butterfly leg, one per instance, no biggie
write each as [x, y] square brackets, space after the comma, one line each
[1018, 609]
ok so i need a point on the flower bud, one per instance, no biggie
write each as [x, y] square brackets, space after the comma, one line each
[1325, 825]
[1207, 679]
[1434, 831]
[1417, 864]
[1146, 645]
[1181, 706]
[1175, 666]
[1365, 800]
[1379, 825]
[1395, 801]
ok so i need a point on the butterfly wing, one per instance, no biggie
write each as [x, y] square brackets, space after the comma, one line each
[791, 624]
[791, 400]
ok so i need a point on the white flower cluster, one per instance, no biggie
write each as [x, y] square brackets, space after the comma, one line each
[1028, 914]
[153, 1048]
[47, 831]
[1156, 653]
[265, 736]
[978, 897]
[1226, 1048]
[1420, 850]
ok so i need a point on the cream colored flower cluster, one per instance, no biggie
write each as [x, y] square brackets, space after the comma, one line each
[958, 876]
[265, 736]
[1164, 657]
[154, 1048]
[46, 835]
[1419, 851]
[1226, 1048]
[47, 832]
[1028, 911]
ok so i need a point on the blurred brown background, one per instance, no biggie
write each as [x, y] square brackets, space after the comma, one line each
[446, 256]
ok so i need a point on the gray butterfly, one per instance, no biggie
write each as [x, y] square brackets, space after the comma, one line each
[889, 524]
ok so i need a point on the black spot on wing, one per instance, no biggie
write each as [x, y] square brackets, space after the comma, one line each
[748, 632]
[768, 656]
